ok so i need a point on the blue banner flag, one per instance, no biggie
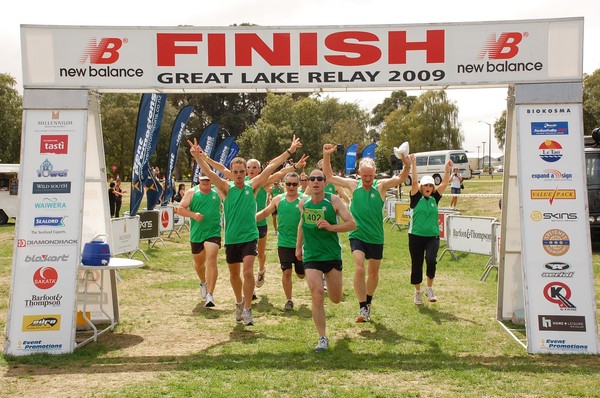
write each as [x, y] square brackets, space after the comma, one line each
[233, 151]
[351, 158]
[222, 151]
[148, 126]
[369, 151]
[176, 134]
[208, 143]
[154, 189]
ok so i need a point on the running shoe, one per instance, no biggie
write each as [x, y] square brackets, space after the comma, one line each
[239, 308]
[203, 290]
[247, 317]
[210, 301]
[363, 315]
[323, 344]
[289, 306]
[430, 295]
[260, 278]
[418, 297]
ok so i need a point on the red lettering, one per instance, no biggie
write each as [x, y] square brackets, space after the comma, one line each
[366, 54]
[245, 43]
[105, 52]
[217, 56]
[308, 49]
[167, 48]
[503, 48]
[434, 47]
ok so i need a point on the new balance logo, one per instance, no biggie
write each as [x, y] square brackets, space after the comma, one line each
[104, 52]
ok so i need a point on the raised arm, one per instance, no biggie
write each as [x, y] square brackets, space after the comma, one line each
[199, 155]
[288, 169]
[338, 181]
[446, 179]
[261, 179]
[415, 177]
[388, 183]
[219, 167]
[267, 211]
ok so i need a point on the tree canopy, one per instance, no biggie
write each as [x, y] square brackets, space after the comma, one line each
[11, 115]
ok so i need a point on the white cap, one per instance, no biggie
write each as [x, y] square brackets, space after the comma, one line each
[203, 177]
[427, 180]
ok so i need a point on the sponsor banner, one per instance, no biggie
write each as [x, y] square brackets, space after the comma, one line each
[176, 134]
[222, 152]
[369, 151]
[351, 158]
[208, 143]
[250, 58]
[559, 296]
[166, 216]
[149, 220]
[469, 234]
[125, 234]
[48, 242]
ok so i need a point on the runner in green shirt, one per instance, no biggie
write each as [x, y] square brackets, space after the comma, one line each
[366, 205]
[424, 231]
[241, 234]
[319, 247]
[273, 191]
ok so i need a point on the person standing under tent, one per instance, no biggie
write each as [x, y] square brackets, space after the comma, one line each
[424, 230]
[318, 246]
[455, 184]
[287, 205]
[241, 234]
[202, 204]
[366, 206]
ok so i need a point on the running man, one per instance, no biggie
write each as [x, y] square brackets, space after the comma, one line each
[366, 242]
[318, 245]
[241, 234]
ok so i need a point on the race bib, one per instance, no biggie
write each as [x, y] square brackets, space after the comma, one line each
[311, 216]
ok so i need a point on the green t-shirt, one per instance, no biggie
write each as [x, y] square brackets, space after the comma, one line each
[424, 215]
[261, 203]
[287, 221]
[320, 244]
[330, 188]
[276, 191]
[367, 209]
[209, 205]
[240, 214]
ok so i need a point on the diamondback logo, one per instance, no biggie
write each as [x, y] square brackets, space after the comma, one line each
[550, 151]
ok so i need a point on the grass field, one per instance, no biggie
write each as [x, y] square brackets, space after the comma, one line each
[169, 345]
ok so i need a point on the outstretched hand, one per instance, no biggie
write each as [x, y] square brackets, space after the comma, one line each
[295, 144]
[328, 149]
[300, 164]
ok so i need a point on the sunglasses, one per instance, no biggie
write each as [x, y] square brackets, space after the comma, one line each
[291, 184]
[316, 178]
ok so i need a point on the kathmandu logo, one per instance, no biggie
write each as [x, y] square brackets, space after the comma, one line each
[550, 151]
[559, 293]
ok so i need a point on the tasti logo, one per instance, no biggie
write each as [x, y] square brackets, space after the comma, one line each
[103, 52]
[505, 46]
[45, 277]
[56, 144]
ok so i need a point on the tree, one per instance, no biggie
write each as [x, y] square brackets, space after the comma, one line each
[429, 123]
[500, 129]
[11, 114]
[591, 102]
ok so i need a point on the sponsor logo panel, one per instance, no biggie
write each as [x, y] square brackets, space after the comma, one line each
[559, 293]
[557, 270]
[556, 242]
[45, 277]
[565, 323]
[41, 323]
[549, 128]
[47, 170]
[553, 194]
[44, 300]
[550, 151]
[54, 144]
[40, 187]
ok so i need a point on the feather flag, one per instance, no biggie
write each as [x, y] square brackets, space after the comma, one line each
[369, 151]
[148, 126]
[208, 143]
[351, 158]
[176, 134]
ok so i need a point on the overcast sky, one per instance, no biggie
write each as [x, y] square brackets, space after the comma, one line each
[474, 104]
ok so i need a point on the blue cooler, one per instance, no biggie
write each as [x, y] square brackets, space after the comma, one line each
[96, 252]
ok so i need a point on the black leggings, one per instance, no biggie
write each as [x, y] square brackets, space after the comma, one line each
[422, 248]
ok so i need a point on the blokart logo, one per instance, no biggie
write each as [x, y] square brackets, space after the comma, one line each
[55, 144]
[550, 151]
[104, 52]
[45, 258]
[556, 242]
[506, 46]
[547, 128]
[559, 293]
[45, 277]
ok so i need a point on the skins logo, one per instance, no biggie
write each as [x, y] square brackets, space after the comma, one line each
[504, 47]
[104, 52]
[559, 293]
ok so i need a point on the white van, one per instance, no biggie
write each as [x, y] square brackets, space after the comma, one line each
[433, 163]
[9, 187]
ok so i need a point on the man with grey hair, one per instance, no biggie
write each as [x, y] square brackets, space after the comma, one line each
[366, 242]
